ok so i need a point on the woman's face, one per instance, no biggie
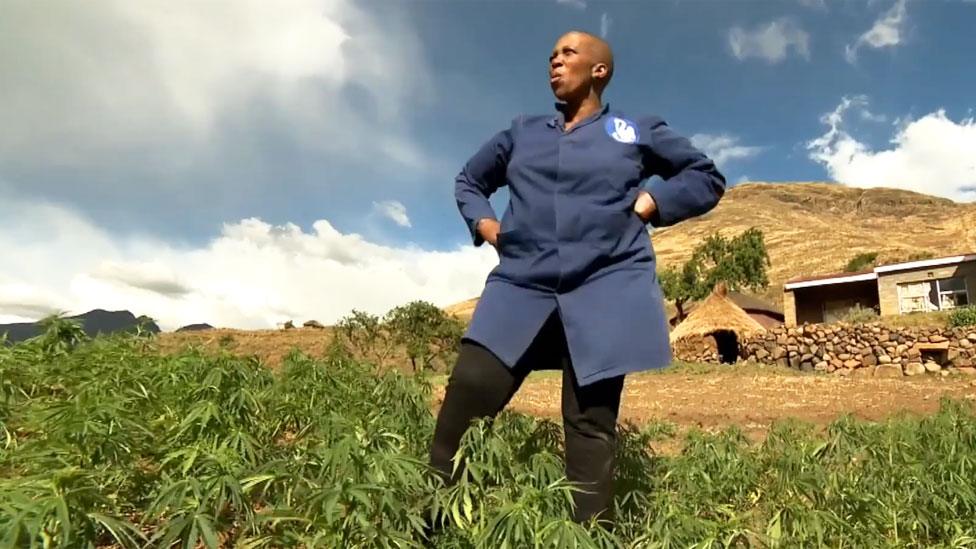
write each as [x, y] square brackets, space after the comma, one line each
[570, 68]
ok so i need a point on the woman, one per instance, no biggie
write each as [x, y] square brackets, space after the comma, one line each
[575, 287]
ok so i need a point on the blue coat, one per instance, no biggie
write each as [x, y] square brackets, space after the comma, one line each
[570, 240]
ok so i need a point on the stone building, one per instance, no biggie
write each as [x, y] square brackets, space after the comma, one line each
[897, 288]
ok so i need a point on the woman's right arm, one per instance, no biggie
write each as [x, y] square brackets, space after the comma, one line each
[482, 175]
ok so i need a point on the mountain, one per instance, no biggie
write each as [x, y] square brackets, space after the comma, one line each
[462, 310]
[93, 323]
[816, 228]
[195, 328]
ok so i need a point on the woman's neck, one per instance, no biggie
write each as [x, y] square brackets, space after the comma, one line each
[576, 112]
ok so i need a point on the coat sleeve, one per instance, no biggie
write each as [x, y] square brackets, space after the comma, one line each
[482, 175]
[689, 185]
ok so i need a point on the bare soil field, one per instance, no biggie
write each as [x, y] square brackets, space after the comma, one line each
[710, 399]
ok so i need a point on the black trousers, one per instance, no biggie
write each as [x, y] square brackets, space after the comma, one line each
[481, 386]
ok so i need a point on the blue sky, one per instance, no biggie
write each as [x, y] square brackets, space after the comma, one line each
[141, 138]
[674, 59]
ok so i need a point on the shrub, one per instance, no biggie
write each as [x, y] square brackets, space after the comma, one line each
[425, 333]
[365, 335]
[60, 335]
[861, 261]
[859, 315]
[963, 316]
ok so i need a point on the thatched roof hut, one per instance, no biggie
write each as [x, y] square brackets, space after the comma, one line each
[763, 312]
[717, 313]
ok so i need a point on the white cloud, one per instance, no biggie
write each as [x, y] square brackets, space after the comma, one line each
[872, 117]
[885, 33]
[578, 4]
[83, 83]
[816, 4]
[605, 22]
[770, 41]
[931, 155]
[723, 148]
[151, 276]
[253, 275]
[20, 301]
[393, 210]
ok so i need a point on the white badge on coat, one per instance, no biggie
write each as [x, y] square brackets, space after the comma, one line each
[622, 130]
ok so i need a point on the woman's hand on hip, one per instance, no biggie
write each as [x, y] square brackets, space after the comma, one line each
[488, 228]
[645, 206]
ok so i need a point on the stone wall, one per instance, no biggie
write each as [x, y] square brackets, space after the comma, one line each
[696, 349]
[845, 349]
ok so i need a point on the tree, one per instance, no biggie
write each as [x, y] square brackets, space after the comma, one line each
[739, 262]
[683, 285]
[425, 331]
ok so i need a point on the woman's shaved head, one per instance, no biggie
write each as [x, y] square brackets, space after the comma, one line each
[600, 52]
[579, 62]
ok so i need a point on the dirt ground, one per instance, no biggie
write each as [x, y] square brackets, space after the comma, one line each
[703, 397]
[712, 399]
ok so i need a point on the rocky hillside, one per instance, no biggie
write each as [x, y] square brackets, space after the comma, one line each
[814, 228]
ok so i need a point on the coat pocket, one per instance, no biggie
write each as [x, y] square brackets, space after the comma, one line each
[508, 242]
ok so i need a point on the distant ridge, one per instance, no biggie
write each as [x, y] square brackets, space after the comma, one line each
[94, 322]
[195, 328]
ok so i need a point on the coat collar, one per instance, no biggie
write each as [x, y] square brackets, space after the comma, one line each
[559, 119]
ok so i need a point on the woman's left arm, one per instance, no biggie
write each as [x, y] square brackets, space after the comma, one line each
[690, 184]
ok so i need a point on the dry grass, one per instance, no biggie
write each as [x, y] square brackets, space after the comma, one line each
[937, 319]
[270, 346]
[463, 310]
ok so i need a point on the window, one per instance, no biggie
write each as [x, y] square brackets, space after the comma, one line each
[952, 293]
[914, 297]
[932, 295]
